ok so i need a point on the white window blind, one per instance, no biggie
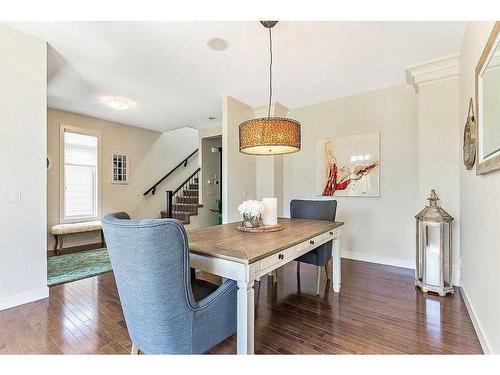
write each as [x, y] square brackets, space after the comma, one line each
[80, 176]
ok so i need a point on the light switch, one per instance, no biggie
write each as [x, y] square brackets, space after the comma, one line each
[15, 196]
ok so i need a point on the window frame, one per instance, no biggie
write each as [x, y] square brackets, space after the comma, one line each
[62, 176]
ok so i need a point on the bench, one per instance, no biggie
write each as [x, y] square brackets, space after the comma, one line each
[59, 230]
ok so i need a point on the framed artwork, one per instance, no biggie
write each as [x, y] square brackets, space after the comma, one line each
[349, 165]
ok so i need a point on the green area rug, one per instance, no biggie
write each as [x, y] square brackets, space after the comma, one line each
[76, 266]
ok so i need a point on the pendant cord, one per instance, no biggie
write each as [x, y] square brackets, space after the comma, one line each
[270, 73]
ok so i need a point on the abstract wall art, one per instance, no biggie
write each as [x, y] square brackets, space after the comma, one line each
[349, 165]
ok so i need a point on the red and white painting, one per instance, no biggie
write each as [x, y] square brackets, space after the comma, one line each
[349, 165]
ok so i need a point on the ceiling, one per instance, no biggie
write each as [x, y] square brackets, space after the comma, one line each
[176, 80]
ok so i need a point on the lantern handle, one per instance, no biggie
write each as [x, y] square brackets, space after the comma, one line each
[434, 196]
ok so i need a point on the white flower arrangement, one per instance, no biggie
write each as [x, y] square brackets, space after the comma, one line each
[251, 208]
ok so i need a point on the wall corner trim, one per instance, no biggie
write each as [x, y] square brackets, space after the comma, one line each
[434, 70]
[485, 345]
[24, 297]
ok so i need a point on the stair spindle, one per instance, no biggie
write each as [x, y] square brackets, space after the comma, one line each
[169, 203]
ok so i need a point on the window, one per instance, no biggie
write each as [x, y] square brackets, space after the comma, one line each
[120, 168]
[80, 187]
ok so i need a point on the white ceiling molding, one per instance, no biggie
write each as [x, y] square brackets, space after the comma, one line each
[434, 70]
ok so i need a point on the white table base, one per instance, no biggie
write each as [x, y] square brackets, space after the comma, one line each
[246, 274]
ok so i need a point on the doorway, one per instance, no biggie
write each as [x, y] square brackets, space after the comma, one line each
[211, 179]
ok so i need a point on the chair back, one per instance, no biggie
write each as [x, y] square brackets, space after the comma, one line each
[313, 209]
[150, 260]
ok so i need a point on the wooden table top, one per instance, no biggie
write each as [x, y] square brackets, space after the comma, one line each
[227, 242]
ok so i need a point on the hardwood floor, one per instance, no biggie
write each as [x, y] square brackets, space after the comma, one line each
[378, 312]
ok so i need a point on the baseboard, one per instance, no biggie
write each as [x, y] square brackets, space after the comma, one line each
[377, 259]
[76, 249]
[25, 297]
[393, 262]
[485, 345]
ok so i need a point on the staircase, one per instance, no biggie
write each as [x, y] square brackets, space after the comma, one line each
[183, 202]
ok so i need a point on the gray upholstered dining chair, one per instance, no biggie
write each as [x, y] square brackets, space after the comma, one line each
[165, 310]
[315, 210]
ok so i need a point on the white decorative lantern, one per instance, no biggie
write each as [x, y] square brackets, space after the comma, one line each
[433, 272]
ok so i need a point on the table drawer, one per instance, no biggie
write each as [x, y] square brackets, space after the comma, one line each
[310, 244]
[277, 259]
[330, 235]
[314, 242]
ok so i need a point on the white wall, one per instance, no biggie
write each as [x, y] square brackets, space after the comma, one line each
[23, 92]
[439, 152]
[377, 229]
[479, 212]
[151, 155]
[238, 170]
[269, 179]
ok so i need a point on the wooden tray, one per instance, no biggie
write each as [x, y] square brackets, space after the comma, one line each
[262, 228]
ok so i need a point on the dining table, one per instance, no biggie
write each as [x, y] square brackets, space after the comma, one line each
[225, 251]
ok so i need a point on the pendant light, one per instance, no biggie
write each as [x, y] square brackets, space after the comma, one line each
[270, 135]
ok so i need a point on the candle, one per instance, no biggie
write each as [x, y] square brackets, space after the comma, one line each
[270, 215]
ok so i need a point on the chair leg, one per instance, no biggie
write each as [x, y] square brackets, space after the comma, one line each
[318, 271]
[61, 244]
[275, 276]
[135, 349]
[298, 267]
[326, 270]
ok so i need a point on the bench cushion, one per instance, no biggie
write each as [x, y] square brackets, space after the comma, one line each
[88, 226]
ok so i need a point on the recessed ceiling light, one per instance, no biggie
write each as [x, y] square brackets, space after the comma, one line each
[118, 102]
[217, 44]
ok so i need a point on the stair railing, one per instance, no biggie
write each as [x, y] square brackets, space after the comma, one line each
[152, 189]
[182, 191]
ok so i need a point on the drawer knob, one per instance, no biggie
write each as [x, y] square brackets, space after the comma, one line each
[281, 256]
[311, 242]
[331, 233]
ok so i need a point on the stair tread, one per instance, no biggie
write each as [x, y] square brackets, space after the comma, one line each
[185, 203]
